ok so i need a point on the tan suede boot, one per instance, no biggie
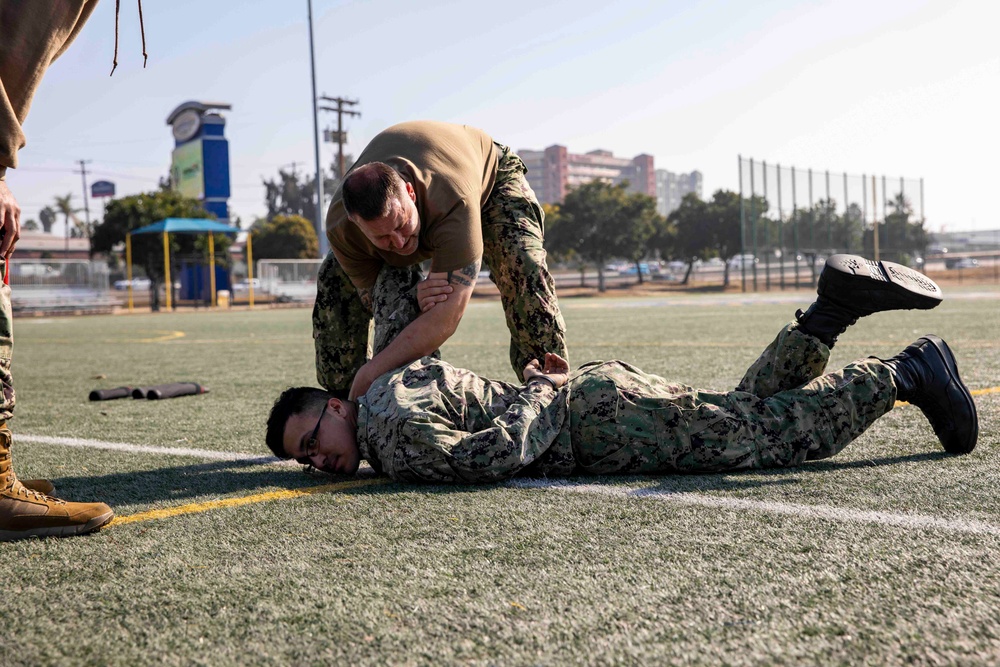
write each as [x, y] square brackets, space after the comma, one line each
[43, 486]
[27, 513]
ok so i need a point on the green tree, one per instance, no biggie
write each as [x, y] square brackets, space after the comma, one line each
[284, 237]
[47, 216]
[899, 239]
[554, 222]
[692, 239]
[724, 228]
[852, 227]
[290, 194]
[29, 225]
[712, 229]
[129, 213]
[637, 223]
[589, 227]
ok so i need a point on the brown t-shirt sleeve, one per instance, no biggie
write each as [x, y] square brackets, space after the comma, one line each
[456, 238]
[33, 35]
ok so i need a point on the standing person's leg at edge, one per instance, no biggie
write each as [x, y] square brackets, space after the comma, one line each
[513, 226]
[25, 512]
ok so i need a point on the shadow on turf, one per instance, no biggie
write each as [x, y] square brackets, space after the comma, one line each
[779, 476]
[182, 482]
[224, 477]
[678, 483]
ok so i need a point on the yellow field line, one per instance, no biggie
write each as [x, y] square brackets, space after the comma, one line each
[988, 390]
[164, 336]
[160, 338]
[194, 508]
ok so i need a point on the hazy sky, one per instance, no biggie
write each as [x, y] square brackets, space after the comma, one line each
[895, 87]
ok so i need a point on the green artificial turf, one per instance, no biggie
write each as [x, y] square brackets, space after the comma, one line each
[500, 575]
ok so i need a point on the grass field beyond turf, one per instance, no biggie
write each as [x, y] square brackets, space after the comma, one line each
[886, 554]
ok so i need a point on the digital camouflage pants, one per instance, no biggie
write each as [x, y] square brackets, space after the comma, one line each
[784, 411]
[6, 347]
[513, 225]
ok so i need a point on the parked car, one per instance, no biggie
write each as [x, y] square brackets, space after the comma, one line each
[244, 285]
[648, 268]
[962, 263]
[737, 261]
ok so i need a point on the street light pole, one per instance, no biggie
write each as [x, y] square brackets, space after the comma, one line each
[324, 245]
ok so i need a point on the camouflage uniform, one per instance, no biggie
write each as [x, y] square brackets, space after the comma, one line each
[431, 422]
[6, 348]
[513, 225]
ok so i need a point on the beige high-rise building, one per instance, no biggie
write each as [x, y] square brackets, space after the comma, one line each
[671, 188]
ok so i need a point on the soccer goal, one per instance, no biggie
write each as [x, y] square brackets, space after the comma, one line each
[288, 279]
[60, 285]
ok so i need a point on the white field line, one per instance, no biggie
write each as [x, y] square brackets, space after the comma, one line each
[143, 449]
[825, 512]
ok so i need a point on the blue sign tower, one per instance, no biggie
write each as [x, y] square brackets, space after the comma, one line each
[199, 167]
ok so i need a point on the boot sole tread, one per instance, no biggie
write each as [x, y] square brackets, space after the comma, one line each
[94, 524]
[886, 285]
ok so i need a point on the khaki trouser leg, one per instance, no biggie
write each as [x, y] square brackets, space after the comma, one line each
[23, 511]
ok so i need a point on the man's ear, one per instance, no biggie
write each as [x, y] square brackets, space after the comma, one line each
[336, 406]
[410, 192]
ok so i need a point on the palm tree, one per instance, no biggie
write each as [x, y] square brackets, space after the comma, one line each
[65, 206]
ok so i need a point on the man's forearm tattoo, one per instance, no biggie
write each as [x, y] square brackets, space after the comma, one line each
[366, 297]
[466, 275]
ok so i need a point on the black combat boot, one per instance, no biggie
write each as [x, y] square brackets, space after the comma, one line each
[926, 375]
[851, 287]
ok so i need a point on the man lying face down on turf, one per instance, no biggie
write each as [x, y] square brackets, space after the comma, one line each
[431, 422]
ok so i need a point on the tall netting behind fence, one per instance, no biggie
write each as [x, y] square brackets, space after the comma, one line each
[792, 219]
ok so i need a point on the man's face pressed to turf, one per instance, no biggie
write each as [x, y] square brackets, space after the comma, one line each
[335, 448]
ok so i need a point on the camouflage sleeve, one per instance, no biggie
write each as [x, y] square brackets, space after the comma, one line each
[516, 439]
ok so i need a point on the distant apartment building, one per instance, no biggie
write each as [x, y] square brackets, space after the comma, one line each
[671, 188]
[555, 171]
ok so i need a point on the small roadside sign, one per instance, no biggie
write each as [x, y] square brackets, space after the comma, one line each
[102, 189]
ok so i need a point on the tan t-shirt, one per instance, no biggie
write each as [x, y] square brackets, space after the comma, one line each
[452, 169]
[32, 35]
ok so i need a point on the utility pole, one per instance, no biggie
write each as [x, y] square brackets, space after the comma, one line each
[86, 206]
[341, 135]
